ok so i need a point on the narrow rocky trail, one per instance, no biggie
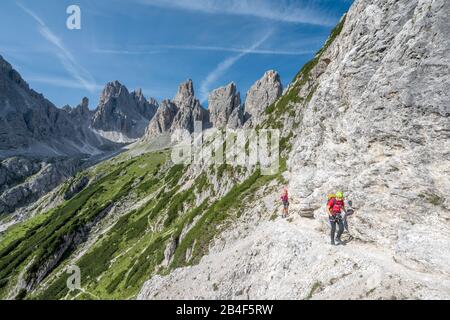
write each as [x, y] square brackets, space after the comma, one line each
[292, 259]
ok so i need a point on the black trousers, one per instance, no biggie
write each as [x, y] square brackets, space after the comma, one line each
[348, 213]
[333, 222]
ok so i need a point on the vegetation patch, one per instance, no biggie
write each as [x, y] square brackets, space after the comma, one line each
[39, 239]
[433, 199]
[283, 106]
[213, 219]
[317, 286]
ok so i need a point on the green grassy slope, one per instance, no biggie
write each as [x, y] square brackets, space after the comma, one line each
[34, 243]
[132, 249]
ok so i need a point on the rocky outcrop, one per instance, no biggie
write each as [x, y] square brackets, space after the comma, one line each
[237, 118]
[31, 125]
[26, 180]
[16, 170]
[163, 119]
[189, 108]
[82, 112]
[169, 251]
[185, 95]
[76, 187]
[146, 107]
[81, 116]
[122, 116]
[224, 104]
[263, 93]
[187, 115]
[377, 128]
[180, 113]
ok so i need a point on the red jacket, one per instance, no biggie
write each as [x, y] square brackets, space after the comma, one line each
[335, 206]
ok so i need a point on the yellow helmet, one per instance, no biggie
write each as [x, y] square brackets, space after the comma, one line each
[339, 195]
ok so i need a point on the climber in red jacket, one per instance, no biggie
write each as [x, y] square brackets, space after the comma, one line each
[285, 201]
[335, 207]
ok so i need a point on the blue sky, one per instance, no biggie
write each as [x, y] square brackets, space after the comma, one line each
[156, 44]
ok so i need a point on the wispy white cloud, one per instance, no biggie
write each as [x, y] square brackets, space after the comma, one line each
[161, 47]
[31, 13]
[293, 11]
[226, 64]
[81, 75]
[60, 82]
[126, 52]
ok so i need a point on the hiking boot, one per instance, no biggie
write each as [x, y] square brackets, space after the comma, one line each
[339, 242]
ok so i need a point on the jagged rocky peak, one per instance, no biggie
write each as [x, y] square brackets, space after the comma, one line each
[81, 112]
[81, 115]
[139, 94]
[10, 77]
[180, 113]
[32, 125]
[153, 102]
[224, 105]
[112, 89]
[83, 108]
[8, 71]
[67, 108]
[189, 108]
[4, 65]
[185, 93]
[162, 121]
[263, 93]
[122, 116]
[146, 107]
[84, 104]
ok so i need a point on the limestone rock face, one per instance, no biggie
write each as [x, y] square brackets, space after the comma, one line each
[16, 169]
[82, 110]
[377, 127]
[180, 113]
[367, 116]
[76, 187]
[122, 116]
[236, 118]
[222, 103]
[185, 94]
[40, 144]
[31, 125]
[26, 180]
[146, 107]
[26, 117]
[188, 114]
[263, 93]
[162, 121]
[189, 108]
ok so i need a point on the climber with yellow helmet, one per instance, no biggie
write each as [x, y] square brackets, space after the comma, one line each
[335, 206]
